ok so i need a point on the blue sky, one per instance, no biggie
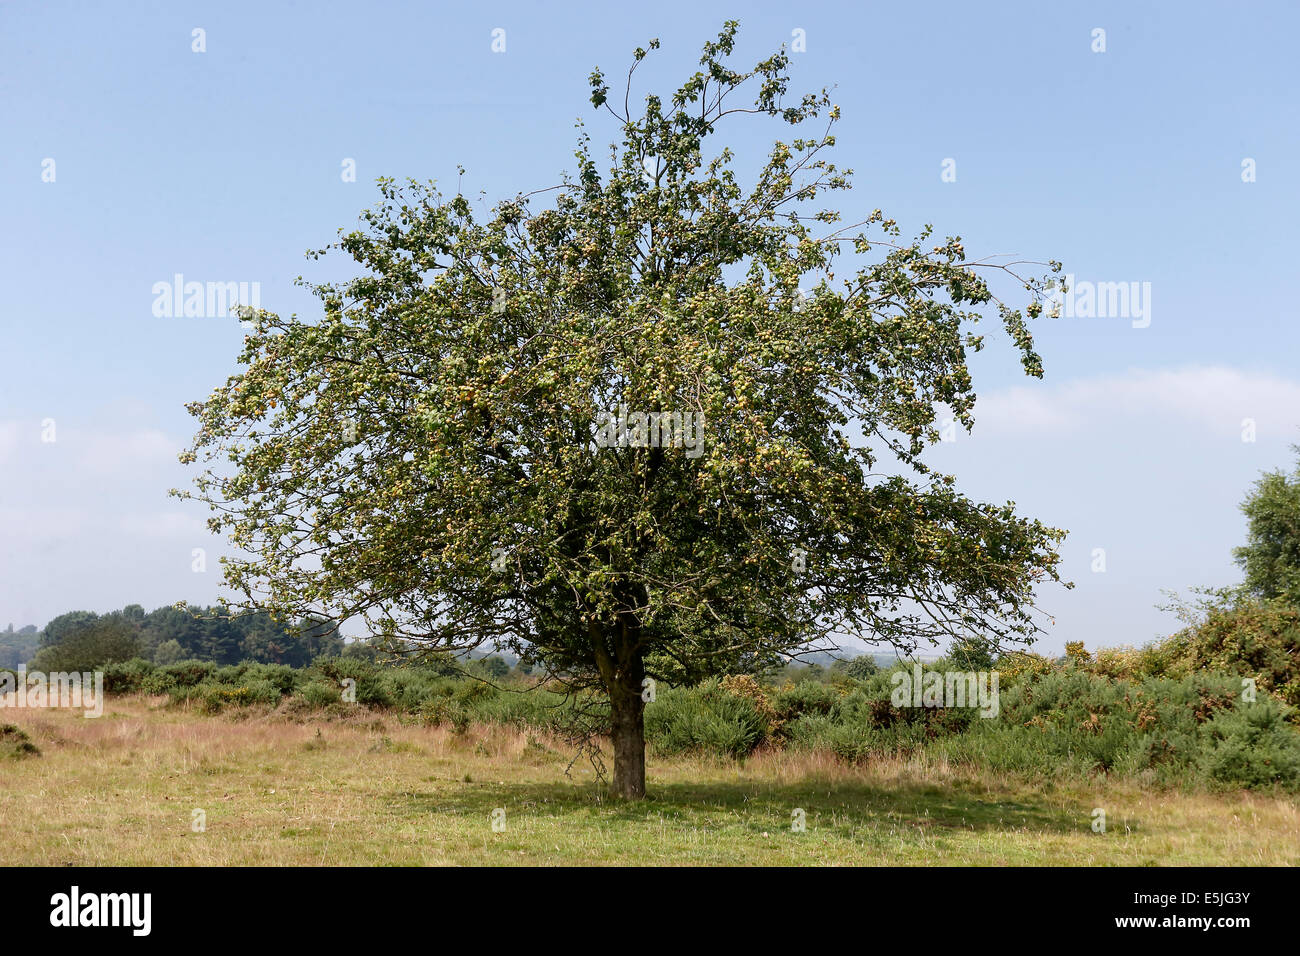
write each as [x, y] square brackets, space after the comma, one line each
[225, 165]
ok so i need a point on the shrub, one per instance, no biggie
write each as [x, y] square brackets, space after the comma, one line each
[1169, 713]
[237, 685]
[855, 737]
[1259, 639]
[743, 685]
[440, 711]
[280, 676]
[158, 682]
[1252, 745]
[213, 698]
[126, 677]
[371, 687]
[1019, 665]
[804, 697]
[407, 688]
[1133, 664]
[15, 744]
[186, 673]
[260, 691]
[707, 719]
[319, 693]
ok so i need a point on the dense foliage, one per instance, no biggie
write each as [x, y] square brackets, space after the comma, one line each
[1122, 713]
[1270, 557]
[428, 454]
[84, 640]
[18, 646]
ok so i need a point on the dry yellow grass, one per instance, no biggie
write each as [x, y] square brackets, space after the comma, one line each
[121, 790]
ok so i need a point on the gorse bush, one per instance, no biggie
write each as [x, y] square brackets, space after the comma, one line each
[1258, 639]
[1146, 713]
[744, 685]
[1251, 746]
[1248, 638]
[1080, 722]
[158, 682]
[283, 678]
[186, 673]
[1019, 665]
[320, 693]
[705, 719]
[1156, 660]
[805, 697]
[858, 720]
[857, 738]
[126, 677]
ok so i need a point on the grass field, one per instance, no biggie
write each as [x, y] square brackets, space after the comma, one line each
[121, 790]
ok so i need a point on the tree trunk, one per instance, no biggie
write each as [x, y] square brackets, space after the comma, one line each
[627, 730]
[621, 663]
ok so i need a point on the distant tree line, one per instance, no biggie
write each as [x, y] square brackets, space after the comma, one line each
[81, 639]
[17, 647]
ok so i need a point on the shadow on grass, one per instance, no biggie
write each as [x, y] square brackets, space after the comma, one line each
[844, 805]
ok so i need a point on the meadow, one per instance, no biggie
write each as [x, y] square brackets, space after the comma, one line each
[278, 786]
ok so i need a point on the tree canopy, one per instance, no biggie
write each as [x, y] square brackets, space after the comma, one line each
[435, 455]
[170, 633]
[1270, 557]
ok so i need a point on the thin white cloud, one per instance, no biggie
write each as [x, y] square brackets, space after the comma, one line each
[85, 521]
[1212, 397]
[96, 452]
[90, 484]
